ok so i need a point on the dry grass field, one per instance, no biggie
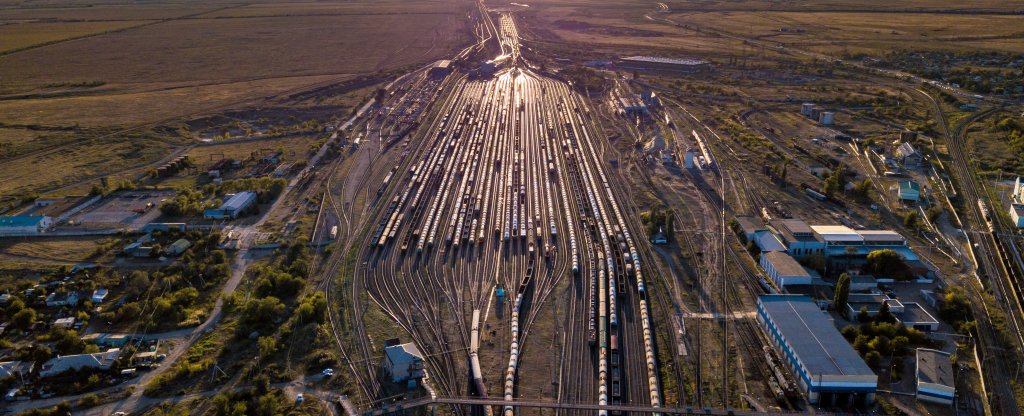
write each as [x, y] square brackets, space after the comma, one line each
[873, 33]
[858, 26]
[14, 36]
[75, 73]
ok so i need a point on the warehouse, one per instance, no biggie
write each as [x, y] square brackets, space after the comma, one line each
[826, 367]
[234, 207]
[783, 270]
[24, 224]
[935, 382]
[653, 63]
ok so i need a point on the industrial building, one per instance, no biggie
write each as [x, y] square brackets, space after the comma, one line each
[632, 105]
[234, 207]
[441, 69]
[653, 63]
[935, 381]
[799, 238]
[24, 224]
[750, 226]
[403, 362]
[910, 314]
[909, 191]
[826, 367]
[783, 270]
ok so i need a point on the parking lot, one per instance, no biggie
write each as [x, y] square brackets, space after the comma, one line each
[128, 210]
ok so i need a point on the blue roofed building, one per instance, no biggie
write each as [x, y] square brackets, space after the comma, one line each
[24, 224]
[909, 191]
[827, 369]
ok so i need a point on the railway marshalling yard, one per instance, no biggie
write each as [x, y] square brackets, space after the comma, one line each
[499, 211]
[502, 245]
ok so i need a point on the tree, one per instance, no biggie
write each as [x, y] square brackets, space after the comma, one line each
[835, 181]
[267, 346]
[842, 294]
[888, 263]
[873, 359]
[24, 319]
[911, 219]
[884, 315]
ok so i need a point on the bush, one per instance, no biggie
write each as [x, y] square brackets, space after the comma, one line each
[89, 400]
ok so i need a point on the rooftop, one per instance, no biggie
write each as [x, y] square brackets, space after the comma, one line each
[914, 313]
[880, 236]
[784, 264]
[1018, 208]
[750, 223]
[238, 200]
[813, 337]
[767, 241]
[20, 220]
[837, 233]
[934, 367]
[663, 60]
[909, 186]
[794, 230]
[402, 352]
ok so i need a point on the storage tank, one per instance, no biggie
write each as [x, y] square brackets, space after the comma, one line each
[805, 109]
[827, 118]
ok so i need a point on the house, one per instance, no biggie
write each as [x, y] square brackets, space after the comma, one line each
[178, 247]
[24, 224]
[234, 207]
[58, 299]
[65, 323]
[934, 379]
[783, 270]
[108, 340]
[403, 362]
[99, 295]
[659, 237]
[909, 191]
[907, 155]
[15, 369]
[1017, 215]
[101, 361]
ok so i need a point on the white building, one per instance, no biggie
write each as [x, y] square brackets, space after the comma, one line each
[1017, 214]
[24, 224]
[60, 364]
[403, 362]
[935, 381]
[1018, 191]
[783, 270]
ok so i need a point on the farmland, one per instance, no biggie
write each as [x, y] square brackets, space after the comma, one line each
[79, 75]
